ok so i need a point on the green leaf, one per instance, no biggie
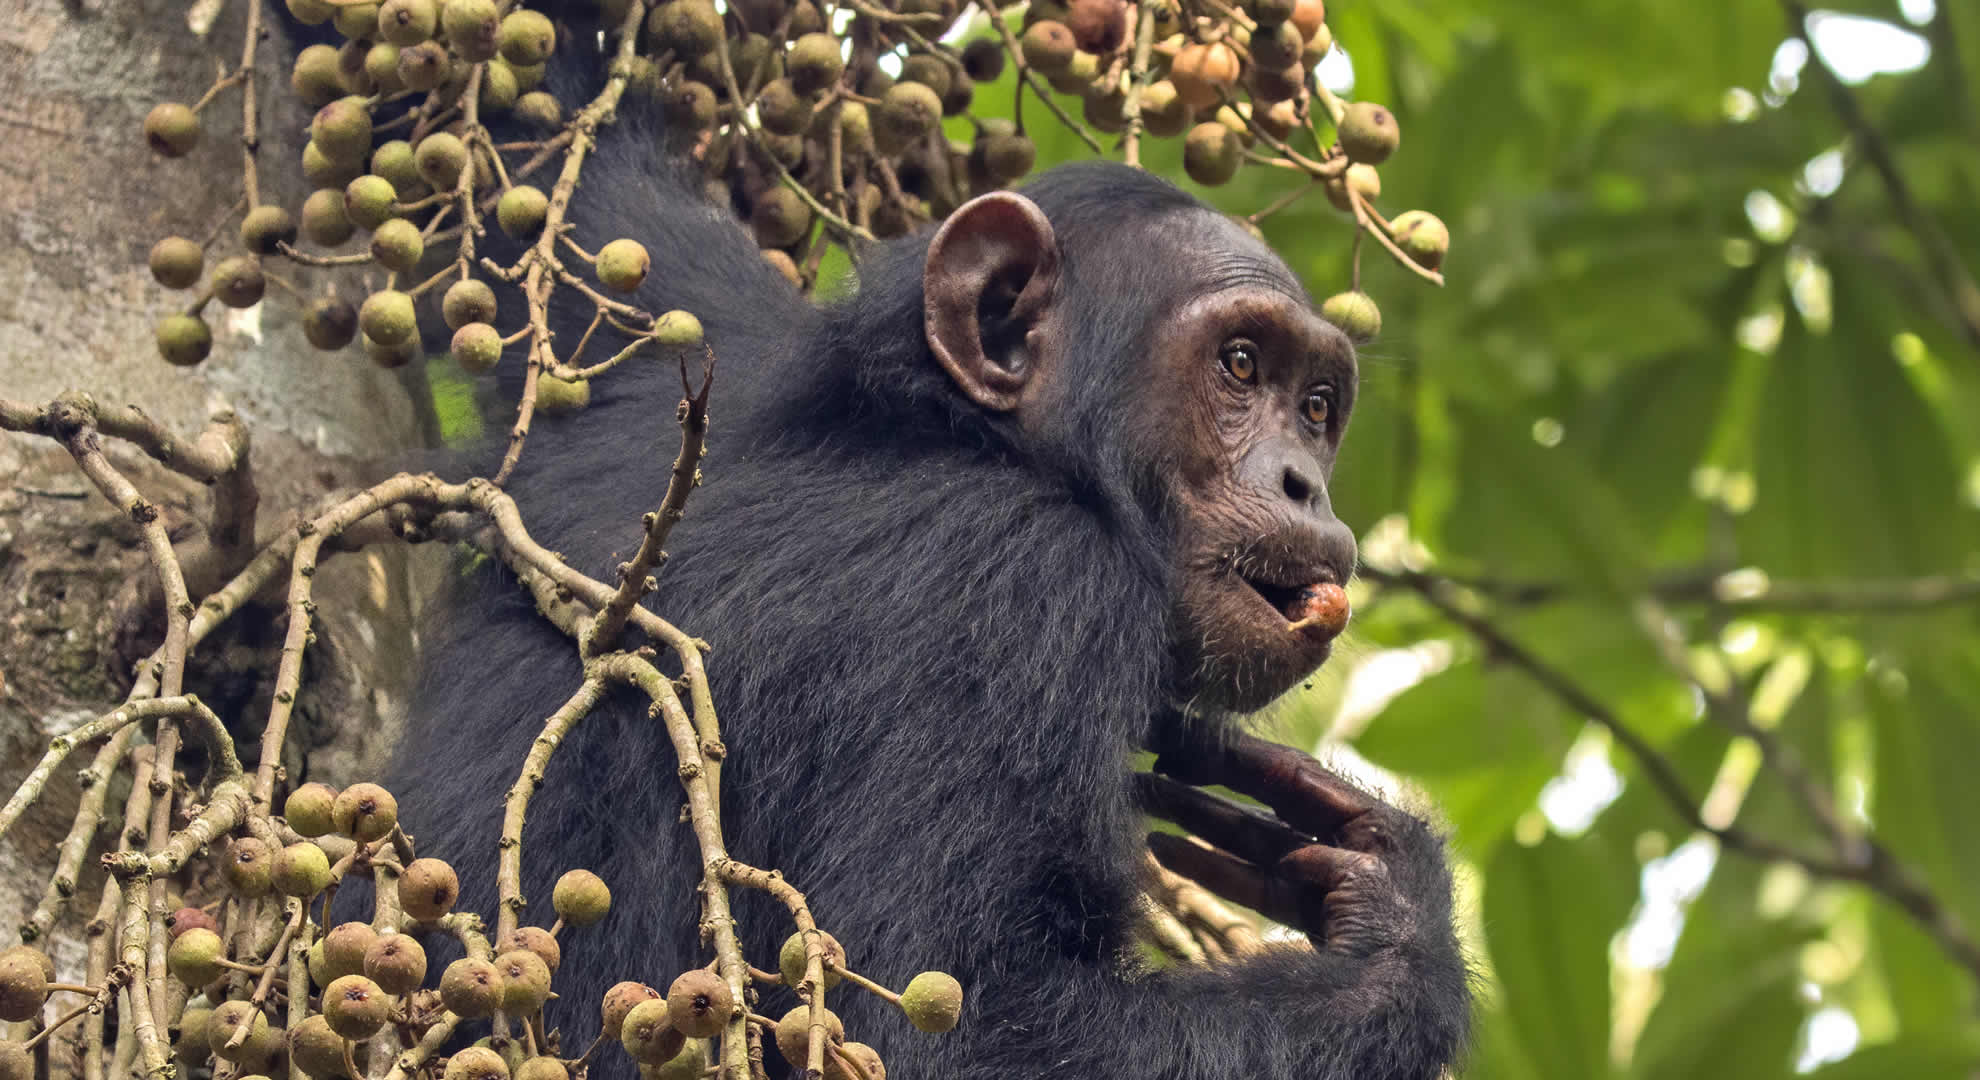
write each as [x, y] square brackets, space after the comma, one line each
[1478, 117]
[1650, 429]
[1369, 477]
[1550, 911]
[1481, 743]
[1854, 475]
[1729, 1006]
[1961, 24]
[1771, 808]
[1527, 510]
[1927, 988]
[1496, 1053]
[1927, 724]
[1695, 757]
[1934, 1055]
[1611, 54]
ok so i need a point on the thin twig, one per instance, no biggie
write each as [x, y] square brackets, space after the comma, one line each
[1197, 906]
[72, 420]
[250, 122]
[304, 258]
[634, 582]
[216, 451]
[75, 847]
[1144, 40]
[297, 916]
[99, 998]
[811, 990]
[143, 1020]
[1657, 768]
[1029, 78]
[583, 129]
[1374, 225]
[666, 706]
[1727, 703]
[1283, 201]
[508, 874]
[837, 223]
[219, 744]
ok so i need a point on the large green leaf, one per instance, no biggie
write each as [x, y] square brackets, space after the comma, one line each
[1476, 134]
[1924, 805]
[1371, 476]
[1604, 54]
[1534, 511]
[1482, 742]
[1927, 1058]
[1730, 1006]
[1958, 25]
[1927, 988]
[1649, 430]
[1855, 476]
[1550, 911]
[1495, 1052]
[1643, 809]
[1772, 807]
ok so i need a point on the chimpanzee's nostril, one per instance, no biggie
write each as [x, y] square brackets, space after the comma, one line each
[1297, 489]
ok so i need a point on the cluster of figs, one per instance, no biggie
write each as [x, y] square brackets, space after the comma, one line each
[814, 130]
[258, 983]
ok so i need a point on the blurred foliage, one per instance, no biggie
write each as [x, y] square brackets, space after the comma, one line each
[1641, 374]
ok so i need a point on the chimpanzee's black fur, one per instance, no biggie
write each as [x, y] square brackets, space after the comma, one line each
[936, 645]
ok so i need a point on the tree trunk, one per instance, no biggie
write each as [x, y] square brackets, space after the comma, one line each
[82, 199]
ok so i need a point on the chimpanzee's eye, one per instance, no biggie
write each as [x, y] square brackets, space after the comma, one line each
[1240, 358]
[1319, 406]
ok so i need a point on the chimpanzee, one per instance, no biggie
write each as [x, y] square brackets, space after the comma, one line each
[1033, 498]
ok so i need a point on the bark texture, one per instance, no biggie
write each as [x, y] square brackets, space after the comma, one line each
[82, 199]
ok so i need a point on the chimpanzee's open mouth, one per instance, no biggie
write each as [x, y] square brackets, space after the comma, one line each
[1316, 610]
[1285, 599]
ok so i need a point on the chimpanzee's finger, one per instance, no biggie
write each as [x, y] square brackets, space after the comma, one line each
[1219, 871]
[1298, 788]
[1192, 763]
[1247, 832]
[1346, 899]
[1318, 869]
[1341, 898]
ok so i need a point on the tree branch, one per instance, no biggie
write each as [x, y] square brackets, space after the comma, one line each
[1707, 586]
[1876, 869]
[634, 582]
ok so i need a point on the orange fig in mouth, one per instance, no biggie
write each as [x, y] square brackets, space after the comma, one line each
[1321, 611]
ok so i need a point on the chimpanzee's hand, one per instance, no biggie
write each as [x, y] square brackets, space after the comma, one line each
[1358, 875]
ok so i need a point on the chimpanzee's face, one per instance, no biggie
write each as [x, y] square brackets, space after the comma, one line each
[1263, 387]
[1237, 402]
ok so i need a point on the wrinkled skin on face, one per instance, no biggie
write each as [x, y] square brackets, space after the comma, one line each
[1244, 396]
[1266, 387]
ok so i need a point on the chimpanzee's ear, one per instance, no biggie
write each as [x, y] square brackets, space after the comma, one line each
[991, 274]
